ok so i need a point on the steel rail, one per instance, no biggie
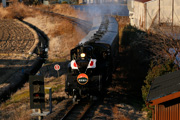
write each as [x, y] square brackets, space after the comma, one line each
[77, 111]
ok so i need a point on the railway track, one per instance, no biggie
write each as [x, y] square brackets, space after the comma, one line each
[78, 110]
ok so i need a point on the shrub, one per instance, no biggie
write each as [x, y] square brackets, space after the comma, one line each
[64, 2]
[16, 11]
[129, 35]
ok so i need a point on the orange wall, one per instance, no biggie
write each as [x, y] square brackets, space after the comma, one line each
[171, 112]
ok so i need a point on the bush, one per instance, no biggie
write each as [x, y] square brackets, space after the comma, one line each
[16, 11]
[64, 2]
[127, 32]
[155, 71]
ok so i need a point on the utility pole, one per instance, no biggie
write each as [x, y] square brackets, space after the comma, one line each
[159, 12]
[4, 3]
[172, 14]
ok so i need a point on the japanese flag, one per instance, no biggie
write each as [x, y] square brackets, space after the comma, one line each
[74, 65]
[92, 63]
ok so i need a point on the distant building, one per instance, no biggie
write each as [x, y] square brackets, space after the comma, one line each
[164, 95]
[145, 13]
[101, 1]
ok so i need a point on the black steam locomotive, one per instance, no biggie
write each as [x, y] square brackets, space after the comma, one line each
[93, 60]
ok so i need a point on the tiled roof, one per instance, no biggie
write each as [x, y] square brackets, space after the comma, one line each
[143, 1]
[164, 85]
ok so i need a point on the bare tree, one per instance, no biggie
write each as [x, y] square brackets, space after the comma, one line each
[160, 45]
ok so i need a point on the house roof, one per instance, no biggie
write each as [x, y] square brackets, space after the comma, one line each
[164, 85]
[143, 1]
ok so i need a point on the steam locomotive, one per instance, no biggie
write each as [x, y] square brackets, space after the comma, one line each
[93, 59]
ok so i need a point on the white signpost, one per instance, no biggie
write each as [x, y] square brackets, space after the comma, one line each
[4, 3]
[57, 68]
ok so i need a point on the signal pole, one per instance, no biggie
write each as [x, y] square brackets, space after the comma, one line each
[40, 117]
[172, 14]
[159, 12]
[4, 3]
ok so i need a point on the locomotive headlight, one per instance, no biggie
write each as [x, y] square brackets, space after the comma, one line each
[83, 55]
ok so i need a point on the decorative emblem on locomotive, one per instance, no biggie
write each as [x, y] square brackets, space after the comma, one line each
[82, 79]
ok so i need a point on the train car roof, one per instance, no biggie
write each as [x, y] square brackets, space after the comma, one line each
[108, 38]
[104, 30]
[112, 27]
[94, 29]
[112, 20]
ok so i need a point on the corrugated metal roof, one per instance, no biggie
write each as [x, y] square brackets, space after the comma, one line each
[164, 85]
[143, 1]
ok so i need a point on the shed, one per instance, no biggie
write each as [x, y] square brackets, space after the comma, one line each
[145, 13]
[164, 94]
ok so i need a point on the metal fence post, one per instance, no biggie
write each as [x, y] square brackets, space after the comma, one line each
[50, 100]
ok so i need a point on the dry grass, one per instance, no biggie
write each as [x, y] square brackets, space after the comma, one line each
[21, 11]
[122, 22]
[64, 28]
[123, 111]
[63, 35]
[3, 12]
[18, 107]
[70, 35]
[67, 10]
[117, 115]
[16, 11]
[70, 11]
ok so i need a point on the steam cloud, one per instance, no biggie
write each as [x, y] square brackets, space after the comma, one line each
[110, 8]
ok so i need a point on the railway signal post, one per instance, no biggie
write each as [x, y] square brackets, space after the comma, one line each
[37, 96]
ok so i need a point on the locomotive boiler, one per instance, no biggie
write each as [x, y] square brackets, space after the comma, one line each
[93, 59]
